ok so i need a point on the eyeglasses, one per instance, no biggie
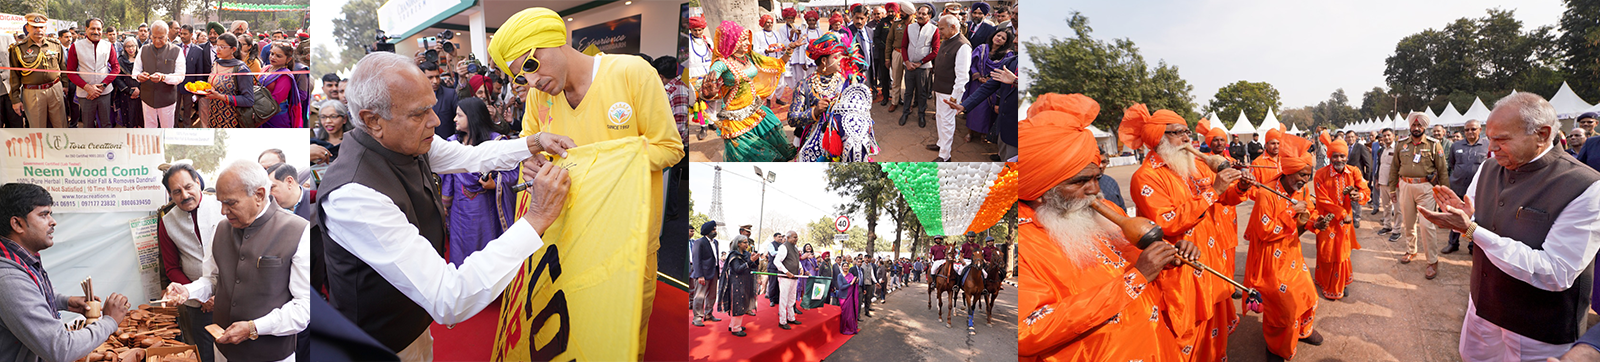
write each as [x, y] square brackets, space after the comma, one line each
[528, 66]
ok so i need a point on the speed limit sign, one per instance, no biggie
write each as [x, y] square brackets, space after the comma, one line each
[841, 223]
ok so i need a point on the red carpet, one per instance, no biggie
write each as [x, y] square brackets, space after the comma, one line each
[817, 337]
[473, 339]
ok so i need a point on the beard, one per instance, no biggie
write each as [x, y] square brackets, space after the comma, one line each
[1075, 227]
[1177, 158]
[1416, 134]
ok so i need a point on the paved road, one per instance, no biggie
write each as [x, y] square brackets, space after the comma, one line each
[905, 329]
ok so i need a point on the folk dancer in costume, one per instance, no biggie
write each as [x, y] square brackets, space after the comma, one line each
[1181, 195]
[837, 125]
[1274, 266]
[1090, 295]
[701, 54]
[771, 43]
[740, 79]
[1336, 187]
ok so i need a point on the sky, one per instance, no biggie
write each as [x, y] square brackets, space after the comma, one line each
[1305, 49]
[800, 194]
[322, 14]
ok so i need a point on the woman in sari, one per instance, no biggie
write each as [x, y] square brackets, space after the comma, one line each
[228, 92]
[477, 210]
[985, 59]
[739, 286]
[741, 79]
[849, 298]
[808, 264]
[284, 90]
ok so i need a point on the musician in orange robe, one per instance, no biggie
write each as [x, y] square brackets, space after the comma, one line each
[1275, 266]
[1267, 164]
[1179, 192]
[1227, 221]
[1337, 186]
[1084, 289]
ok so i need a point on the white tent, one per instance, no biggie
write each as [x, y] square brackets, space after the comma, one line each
[1107, 141]
[1449, 116]
[1567, 103]
[1242, 126]
[1269, 123]
[1295, 130]
[1478, 111]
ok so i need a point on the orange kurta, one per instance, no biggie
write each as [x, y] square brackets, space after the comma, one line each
[1276, 268]
[1268, 168]
[1103, 311]
[1199, 307]
[1335, 243]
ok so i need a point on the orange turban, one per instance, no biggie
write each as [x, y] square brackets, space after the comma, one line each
[1055, 142]
[1334, 146]
[1275, 134]
[1204, 128]
[1141, 129]
[1294, 153]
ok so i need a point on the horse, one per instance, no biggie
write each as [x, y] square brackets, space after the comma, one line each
[995, 276]
[941, 281]
[972, 286]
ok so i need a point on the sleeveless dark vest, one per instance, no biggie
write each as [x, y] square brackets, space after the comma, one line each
[791, 259]
[944, 66]
[163, 60]
[1523, 204]
[253, 279]
[354, 288]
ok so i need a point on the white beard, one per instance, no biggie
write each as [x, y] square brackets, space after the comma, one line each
[1075, 227]
[1179, 160]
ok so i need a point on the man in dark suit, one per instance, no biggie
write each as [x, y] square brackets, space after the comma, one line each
[979, 30]
[1255, 148]
[1238, 150]
[1361, 158]
[705, 273]
[197, 60]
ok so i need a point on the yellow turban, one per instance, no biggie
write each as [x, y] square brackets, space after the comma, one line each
[529, 29]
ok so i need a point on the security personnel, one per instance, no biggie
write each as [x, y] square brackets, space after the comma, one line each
[1419, 164]
[39, 92]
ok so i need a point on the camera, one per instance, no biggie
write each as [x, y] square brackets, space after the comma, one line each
[381, 43]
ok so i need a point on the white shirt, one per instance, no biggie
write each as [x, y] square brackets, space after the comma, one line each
[919, 43]
[177, 71]
[777, 259]
[371, 227]
[799, 56]
[1569, 247]
[699, 58]
[764, 39]
[293, 316]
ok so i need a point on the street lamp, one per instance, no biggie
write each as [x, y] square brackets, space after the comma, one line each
[770, 177]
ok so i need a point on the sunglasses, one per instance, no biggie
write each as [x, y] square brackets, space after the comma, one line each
[528, 66]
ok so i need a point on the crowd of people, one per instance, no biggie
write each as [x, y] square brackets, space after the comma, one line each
[97, 77]
[729, 281]
[1530, 213]
[823, 80]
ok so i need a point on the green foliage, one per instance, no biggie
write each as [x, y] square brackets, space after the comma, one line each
[1296, 117]
[1473, 57]
[866, 189]
[1580, 47]
[1335, 112]
[1252, 98]
[353, 31]
[1111, 72]
[206, 159]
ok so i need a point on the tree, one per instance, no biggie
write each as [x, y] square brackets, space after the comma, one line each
[1252, 98]
[1297, 117]
[1579, 46]
[1478, 57]
[1111, 72]
[899, 212]
[1334, 112]
[866, 189]
[206, 159]
[354, 32]
[820, 232]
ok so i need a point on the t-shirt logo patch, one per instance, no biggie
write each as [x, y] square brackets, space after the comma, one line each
[619, 115]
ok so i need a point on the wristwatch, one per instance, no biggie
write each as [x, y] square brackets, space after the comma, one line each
[253, 334]
[1467, 235]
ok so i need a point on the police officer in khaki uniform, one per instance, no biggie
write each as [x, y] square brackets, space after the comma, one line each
[1419, 164]
[39, 92]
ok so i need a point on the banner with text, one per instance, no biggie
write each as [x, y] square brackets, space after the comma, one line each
[88, 170]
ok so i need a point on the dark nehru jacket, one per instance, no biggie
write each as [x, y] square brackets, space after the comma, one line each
[253, 279]
[354, 288]
[1522, 204]
[162, 60]
[944, 66]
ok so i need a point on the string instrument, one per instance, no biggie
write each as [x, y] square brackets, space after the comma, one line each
[1143, 233]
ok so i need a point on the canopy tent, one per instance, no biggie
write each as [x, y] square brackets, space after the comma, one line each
[1567, 103]
[1269, 123]
[1429, 111]
[1294, 130]
[1596, 108]
[1242, 126]
[1478, 111]
[1107, 141]
[1448, 116]
[954, 198]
